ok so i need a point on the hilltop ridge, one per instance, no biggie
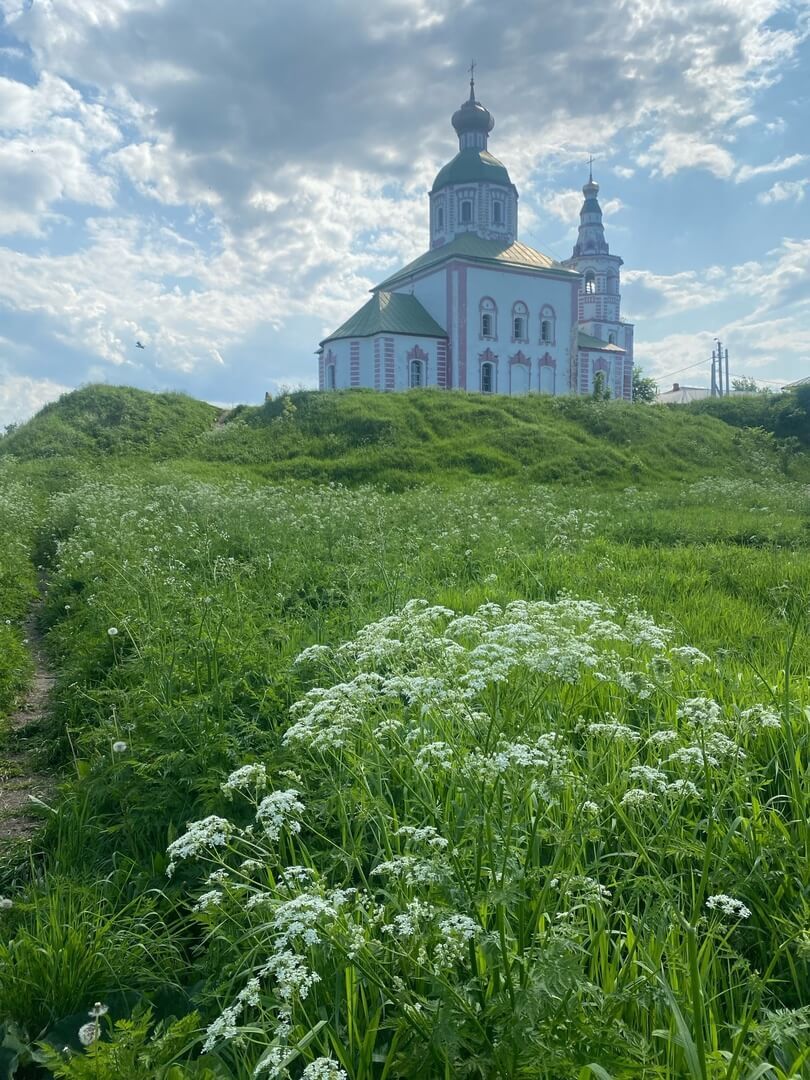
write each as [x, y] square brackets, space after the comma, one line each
[360, 436]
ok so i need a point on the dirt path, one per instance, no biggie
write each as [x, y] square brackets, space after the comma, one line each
[19, 782]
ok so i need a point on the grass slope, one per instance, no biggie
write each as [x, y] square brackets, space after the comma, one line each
[111, 420]
[362, 436]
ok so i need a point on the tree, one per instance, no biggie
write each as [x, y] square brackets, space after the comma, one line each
[745, 382]
[645, 388]
[601, 390]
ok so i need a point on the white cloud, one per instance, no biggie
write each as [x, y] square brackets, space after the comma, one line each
[676, 151]
[566, 205]
[747, 172]
[783, 191]
[285, 167]
[21, 395]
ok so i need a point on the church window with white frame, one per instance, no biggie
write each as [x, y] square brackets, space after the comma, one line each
[497, 212]
[488, 312]
[466, 211]
[520, 321]
[547, 325]
[487, 378]
[417, 373]
[331, 382]
[440, 218]
[590, 282]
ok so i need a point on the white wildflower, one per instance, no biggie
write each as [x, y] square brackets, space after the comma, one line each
[254, 776]
[294, 979]
[426, 834]
[5, 903]
[223, 1028]
[612, 730]
[280, 810]
[456, 931]
[324, 1069]
[409, 869]
[202, 835]
[700, 712]
[727, 905]
[637, 797]
[435, 753]
[119, 746]
[113, 631]
[208, 899]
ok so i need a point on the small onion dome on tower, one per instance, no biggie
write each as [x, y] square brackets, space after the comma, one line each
[472, 118]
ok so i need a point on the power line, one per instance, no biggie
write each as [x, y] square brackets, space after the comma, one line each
[700, 363]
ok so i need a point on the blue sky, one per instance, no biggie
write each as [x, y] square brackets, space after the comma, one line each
[225, 182]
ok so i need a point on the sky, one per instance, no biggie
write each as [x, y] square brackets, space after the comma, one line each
[224, 182]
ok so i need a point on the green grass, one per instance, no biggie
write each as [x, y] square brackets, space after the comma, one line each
[216, 575]
[360, 436]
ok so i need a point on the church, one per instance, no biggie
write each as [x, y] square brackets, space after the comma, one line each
[480, 311]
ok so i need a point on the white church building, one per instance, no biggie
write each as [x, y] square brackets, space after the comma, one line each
[481, 311]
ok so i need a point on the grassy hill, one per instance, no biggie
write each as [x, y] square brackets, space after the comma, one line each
[111, 420]
[360, 436]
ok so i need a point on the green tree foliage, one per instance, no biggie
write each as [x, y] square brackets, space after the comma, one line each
[645, 388]
[748, 385]
[785, 415]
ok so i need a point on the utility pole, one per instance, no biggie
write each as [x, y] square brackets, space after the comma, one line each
[728, 381]
[719, 368]
[714, 375]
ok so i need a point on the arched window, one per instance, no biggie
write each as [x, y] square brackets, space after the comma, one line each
[417, 373]
[497, 212]
[520, 321]
[590, 282]
[440, 218]
[487, 378]
[611, 339]
[330, 377]
[613, 284]
[489, 318]
[547, 325]
[466, 211]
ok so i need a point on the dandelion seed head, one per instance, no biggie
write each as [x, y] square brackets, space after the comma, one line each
[88, 1033]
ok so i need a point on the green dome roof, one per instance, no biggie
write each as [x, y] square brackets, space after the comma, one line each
[472, 166]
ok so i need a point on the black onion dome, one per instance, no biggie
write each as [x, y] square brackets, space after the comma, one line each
[472, 116]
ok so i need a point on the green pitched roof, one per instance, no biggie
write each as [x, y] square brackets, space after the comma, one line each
[588, 341]
[389, 313]
[475, 249]
[472, 166]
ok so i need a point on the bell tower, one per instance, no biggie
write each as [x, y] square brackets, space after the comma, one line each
[600, 294]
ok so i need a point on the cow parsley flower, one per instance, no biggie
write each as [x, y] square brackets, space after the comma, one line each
[727, 905]
[700, 712]
[426, 834]
[201, 835]
[324, 1069]
[5, 903]
[254, 776]
[280, 810]
[638, 797]
[293, 978]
